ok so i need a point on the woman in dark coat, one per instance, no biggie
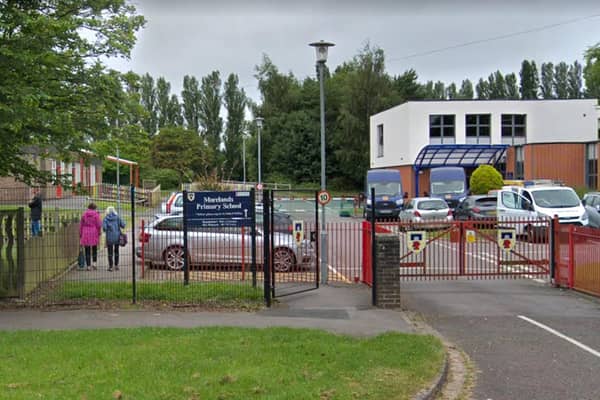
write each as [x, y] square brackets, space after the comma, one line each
[112, 226]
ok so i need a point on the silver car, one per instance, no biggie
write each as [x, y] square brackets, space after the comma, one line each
[426, 212]
[163, 246]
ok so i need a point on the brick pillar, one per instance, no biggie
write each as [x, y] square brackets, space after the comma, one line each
[388, 271]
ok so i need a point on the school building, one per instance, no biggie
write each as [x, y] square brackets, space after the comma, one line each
[523, 139]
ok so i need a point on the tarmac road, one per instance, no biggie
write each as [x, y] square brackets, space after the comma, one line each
[528, 340]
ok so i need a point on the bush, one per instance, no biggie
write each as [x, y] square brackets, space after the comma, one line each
[484, 179]
[167, 178]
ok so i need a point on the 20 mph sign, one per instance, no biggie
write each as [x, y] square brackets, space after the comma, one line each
[324, 197]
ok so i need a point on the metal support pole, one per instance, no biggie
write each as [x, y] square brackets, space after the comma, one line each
[244, 159]
[324, 270]
[259, 158]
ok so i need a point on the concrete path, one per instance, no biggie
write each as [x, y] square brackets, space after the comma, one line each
[343, 309]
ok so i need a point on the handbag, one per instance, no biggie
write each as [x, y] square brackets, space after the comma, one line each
[81, 258]
[122, 239]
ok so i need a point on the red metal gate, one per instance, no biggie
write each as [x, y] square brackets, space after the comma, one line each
[474, 249]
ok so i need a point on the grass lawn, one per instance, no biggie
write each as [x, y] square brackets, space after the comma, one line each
[214, 363]
[209, 293]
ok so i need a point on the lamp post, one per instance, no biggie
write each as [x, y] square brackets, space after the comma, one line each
[259, 123]
[244, 157]
[322, 48]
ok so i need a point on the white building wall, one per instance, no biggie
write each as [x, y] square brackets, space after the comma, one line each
[406, 127]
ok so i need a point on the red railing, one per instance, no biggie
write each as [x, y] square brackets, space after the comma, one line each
[577, 254]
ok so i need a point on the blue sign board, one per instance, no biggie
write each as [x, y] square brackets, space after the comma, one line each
[218, 209]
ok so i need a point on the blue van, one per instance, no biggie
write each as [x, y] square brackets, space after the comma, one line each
[388, 193]
[448, 183]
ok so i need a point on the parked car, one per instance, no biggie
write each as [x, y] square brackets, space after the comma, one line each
[282, 222]
[477, 207]
[163, 246]
[591, 202]
[426, 212]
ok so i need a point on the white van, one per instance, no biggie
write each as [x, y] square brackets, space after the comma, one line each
[540, 201]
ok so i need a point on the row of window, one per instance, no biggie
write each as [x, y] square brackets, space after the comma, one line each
[478, 128]
[442, 129]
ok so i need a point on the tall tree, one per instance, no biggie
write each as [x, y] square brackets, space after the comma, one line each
[210, 109]
[451, 92]
[575, 82]
[547, 81]
[427, 91]
[148, 101]
[54, 90]
[512, 88]
[497, 86]
[591, 72]
[190, 97]
[367, 89]
[163, 98]
[407, 86]
[234, 99]
[482, 89]
[174, 117]
[529, 80]
[439, 91]
[466, 90]
[561, 80]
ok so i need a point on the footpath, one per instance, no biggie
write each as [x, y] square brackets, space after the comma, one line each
[342, 309]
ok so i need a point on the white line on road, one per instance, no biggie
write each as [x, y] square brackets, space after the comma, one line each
[560, 335]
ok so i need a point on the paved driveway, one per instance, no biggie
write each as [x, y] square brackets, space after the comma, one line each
[528, 340]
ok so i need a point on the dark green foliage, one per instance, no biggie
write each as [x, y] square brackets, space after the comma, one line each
[484, 179]
[483, 89]
[591, 72]
[466, 90]
[235, 101]
[180, 150]
[54, 91]
[512, 89]
[561, 80]
[547, 84]
[530, 80]
[575, 83]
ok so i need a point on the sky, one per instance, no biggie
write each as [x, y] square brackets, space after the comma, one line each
[440, 39]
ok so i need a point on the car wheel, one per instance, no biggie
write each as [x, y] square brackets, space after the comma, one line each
[283, 260]
[174, 258]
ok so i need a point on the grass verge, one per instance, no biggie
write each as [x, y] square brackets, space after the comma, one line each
[214, 363]
[207, 293]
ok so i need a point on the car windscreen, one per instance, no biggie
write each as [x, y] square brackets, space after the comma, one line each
[486, 202]
[432, 205]
[562, 198]
[447, 187]
[385, 188]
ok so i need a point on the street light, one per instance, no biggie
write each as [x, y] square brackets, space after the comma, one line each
[244, 137]
[259, 124]
[322, 48]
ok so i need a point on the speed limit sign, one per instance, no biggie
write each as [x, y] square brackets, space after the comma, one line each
[324, 197]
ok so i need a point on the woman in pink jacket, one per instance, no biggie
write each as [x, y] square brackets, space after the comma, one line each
[90, 229]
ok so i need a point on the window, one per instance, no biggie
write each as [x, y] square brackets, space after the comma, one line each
[441, 129]
[591, 166]
[478, 128]
[380, 140]
[514, 129]
[519, 161]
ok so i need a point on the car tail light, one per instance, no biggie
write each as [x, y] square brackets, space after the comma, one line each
[144, 237]
[170, 203]
[476, 209]
[290, 228]
[417, 214]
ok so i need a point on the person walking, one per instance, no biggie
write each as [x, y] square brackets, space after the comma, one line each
[90, 229]
[36, 213]
[112, 225]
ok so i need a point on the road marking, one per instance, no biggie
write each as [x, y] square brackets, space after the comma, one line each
[560, 335]
[338, 274]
